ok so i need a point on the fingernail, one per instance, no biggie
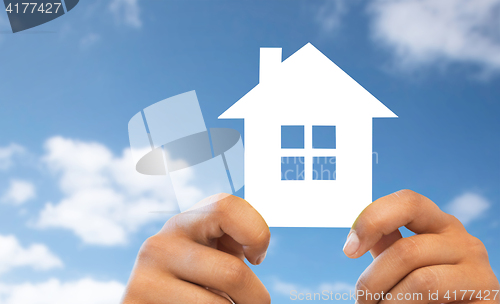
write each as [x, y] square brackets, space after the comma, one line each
[352, 243]
[261, 258]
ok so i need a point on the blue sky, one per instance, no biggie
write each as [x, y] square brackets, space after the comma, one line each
[69, 87]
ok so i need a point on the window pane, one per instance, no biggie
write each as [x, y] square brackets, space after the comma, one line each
[292, 168]
[292, 137]
[324, 137]
[324, 168]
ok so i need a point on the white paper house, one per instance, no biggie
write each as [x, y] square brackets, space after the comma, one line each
[309, 96]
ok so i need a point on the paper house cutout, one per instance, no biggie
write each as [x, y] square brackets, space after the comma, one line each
[310, 95]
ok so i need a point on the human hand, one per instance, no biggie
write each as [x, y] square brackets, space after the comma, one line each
[441, 257]
[198, 257]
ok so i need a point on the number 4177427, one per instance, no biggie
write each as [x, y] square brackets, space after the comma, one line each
[31, 8]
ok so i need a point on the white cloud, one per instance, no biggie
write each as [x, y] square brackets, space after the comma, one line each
[7, 153]
[127, 12]
[105, 199]
[337, 287]
[84, 291]
[329, 14]
[89, 40]
[285, 288]
[468, 207]
[19, 192]
[37, 256]
[430, 31]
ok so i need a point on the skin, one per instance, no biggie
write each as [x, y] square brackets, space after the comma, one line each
[203, 247]
[198, 256]
[441, 256]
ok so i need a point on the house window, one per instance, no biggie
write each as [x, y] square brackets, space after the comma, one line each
[324, 168]
[292, 137]
[292, 168]
[308, 152]
[323, 137]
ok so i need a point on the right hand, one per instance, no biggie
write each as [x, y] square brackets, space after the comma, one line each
[198, 257]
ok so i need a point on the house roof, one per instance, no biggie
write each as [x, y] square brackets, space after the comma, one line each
[308, 80]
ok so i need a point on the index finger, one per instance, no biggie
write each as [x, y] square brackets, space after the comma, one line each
[223, 214]
[385, 215]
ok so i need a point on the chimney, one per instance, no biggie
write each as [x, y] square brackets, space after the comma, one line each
[270, 59]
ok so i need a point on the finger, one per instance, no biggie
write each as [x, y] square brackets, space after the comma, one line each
[385, 242]
[227, 244]
[436, 284]
[223, 213]
[168, 290]
[402, 258]
[212, 268]
[385, 215]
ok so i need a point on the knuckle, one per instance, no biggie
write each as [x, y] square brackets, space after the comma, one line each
[407, 250]
[453, 221]
[406, 192]
[411, 197]
[158, 252]
[423, 280]
[227, 202]
[477, 248]
[173, 222]
[223, 201]
[176, 224]
[236, 274]
[151, 248]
